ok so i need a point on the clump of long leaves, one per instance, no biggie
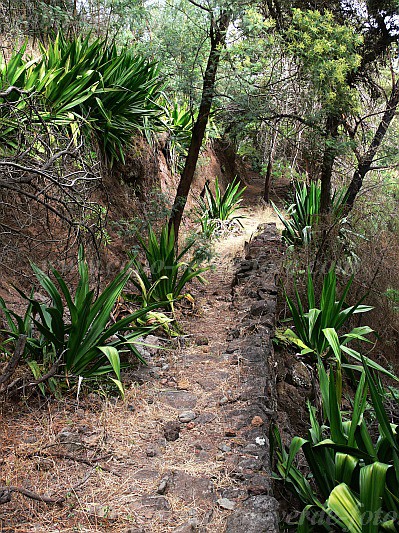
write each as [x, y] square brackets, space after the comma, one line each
[317, 324]
[304, 212]
[353, 479]
[178, 119]
[90, 86]
[222, 206]
[166, 273]
[76, 329]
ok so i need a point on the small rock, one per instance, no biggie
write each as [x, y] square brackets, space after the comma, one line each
[131, 408]
[257, 421]
[165, 367]
[101, 511]
[250, 463]
[172, 430]
[183, 384]
[70, 439]
[190, 425]
[224, 503]
[154, 341]
[191, 489]
[219, 456]
[65, 436]
[145, 474]
[159, 503]
[224, 448]
[258, 513]
[163, 485]
[179, 399]
[151, 451]
[223, 400]
[256, 490]
[259, 308]
[187, 416]
[202, 456]
[300, 375]
[234, 493]
[230, 433]
[205, 418]
[201, 341]
[187, 527]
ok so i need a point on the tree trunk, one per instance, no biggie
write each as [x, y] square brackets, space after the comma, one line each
[218, 38]
[266, 192]
[366, 161]
[329, 156]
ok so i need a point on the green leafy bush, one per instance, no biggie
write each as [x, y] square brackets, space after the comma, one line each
[314, 323]
[166, 273]
[76, 330]
[316, 328]
[89, 86]
[304, 213]
[179, 120]
[353, 479]
[221, 206]
[208, 225]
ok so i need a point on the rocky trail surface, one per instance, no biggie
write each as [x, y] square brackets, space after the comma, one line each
[186, 449]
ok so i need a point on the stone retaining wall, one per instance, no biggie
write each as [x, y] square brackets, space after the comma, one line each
[254, 298]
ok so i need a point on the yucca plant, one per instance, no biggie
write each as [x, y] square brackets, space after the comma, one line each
[178, 119]
[353, 479]
[208, 225]
[311, 320]
[222, 206]
[166, 273]
[304, 212]
[155, 318]
[89, 86]
[77, 328]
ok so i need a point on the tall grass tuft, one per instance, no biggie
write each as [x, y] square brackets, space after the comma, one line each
[166, 273]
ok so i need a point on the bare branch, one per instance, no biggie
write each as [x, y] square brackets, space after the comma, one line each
[5, 495]
[12, 365]
[11, 89]
[196, 4]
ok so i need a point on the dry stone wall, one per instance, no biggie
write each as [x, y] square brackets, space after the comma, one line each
[254, 298]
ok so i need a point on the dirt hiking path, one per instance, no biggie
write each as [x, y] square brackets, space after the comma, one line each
[157, 461]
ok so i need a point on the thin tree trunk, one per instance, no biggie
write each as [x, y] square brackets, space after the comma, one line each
[266, 192]
[366, 161]
[218, 39]
[329, 156]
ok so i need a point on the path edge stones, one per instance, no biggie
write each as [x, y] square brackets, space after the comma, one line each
[254, 294]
